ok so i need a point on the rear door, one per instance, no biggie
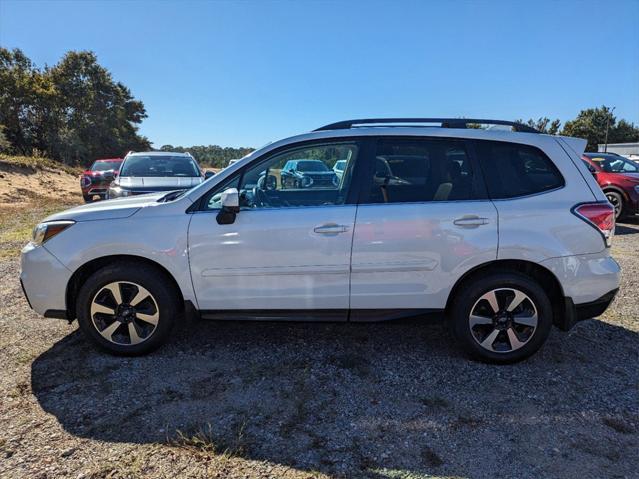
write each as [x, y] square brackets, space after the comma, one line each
[423, 220]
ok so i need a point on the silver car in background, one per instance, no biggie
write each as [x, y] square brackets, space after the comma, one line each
[156, 171]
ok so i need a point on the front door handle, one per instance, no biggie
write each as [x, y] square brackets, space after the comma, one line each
[330, 229]
[470, 221]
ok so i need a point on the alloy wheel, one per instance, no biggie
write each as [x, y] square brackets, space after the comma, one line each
[124, 313]
[503, 320]
[616, 203]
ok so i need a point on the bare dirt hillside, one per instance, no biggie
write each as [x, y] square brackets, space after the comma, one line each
[30, 190]
[23, 180]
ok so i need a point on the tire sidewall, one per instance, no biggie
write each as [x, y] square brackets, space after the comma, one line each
[149, 278]
[469, 294]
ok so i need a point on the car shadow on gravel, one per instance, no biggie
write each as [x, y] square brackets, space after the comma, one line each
[627, 227]
[375, 400]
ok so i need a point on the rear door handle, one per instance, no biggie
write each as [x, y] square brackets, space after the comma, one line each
[470, 221]
[330, 229]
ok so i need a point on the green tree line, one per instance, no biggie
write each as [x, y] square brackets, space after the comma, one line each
[212, 155]
[590, 124]
[72, 112]
[75, 112]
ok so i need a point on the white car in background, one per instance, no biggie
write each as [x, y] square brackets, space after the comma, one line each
[506, 232]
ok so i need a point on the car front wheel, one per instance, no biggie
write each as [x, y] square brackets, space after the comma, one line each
[127, 310]
[501, 318]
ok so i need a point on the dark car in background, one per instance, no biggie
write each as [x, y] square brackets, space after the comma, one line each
[95, 180]
[618, 177]
[308, 174]
[156, 171]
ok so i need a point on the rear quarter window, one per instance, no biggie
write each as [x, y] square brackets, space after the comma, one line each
[512, 170]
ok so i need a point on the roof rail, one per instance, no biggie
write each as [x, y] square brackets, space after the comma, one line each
[444, 123]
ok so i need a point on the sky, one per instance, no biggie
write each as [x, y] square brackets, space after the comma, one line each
[246, 73]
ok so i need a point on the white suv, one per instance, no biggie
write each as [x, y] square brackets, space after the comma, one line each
[506, 232]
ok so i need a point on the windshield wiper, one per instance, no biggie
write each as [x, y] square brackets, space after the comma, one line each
[173, 195]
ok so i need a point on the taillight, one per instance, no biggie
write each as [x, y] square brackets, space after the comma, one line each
[599, 215]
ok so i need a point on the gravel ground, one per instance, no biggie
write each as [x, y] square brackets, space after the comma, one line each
[383, 400]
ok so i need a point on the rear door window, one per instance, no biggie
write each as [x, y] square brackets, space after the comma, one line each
[420, 170]
[512, 170]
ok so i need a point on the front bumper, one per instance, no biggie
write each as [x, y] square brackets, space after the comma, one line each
[44, 281]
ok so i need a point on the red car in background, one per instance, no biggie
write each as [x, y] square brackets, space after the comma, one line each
[96, 180]
[619, 180]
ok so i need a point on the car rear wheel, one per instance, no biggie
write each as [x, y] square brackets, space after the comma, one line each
[127, 310]
[502, 318]
[616, 200]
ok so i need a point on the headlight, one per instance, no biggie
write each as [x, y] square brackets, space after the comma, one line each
[85, 182]
[637, 189]
[46, 231]
[116, 191]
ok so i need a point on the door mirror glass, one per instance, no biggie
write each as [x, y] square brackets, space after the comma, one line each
[208, 174]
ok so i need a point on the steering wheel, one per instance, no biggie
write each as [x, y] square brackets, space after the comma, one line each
[260, 199]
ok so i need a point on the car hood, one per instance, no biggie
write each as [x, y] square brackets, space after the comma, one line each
[163, 182]
[107, 210]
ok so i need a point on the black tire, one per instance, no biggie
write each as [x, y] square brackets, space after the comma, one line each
[469, 294]
[88, 198]
[154, 281]
[616, 200]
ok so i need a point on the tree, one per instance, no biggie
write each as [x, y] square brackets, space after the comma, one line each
[543, 125]
[211, 155]
[5, 145]
[73, 112]
[590, 124]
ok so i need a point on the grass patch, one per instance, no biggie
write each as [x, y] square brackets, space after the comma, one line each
[39, 163]
[16, 224]
[203, 443]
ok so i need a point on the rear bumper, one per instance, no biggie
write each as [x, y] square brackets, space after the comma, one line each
[578, 312]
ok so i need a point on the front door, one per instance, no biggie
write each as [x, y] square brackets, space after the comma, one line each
[289, 247]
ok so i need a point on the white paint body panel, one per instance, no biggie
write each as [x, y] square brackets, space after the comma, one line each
[272, 259]
[409, 256]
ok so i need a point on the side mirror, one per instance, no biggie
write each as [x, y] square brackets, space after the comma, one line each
[208, 174]
[230, 200]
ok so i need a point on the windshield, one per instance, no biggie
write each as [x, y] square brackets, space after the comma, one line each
[310, 165]
[615, 164]
[157, 165]
[105, 165]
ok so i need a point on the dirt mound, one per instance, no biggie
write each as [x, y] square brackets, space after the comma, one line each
[23, 183]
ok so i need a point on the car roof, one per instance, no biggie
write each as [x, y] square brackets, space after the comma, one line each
[159, 153]
[107, 159]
